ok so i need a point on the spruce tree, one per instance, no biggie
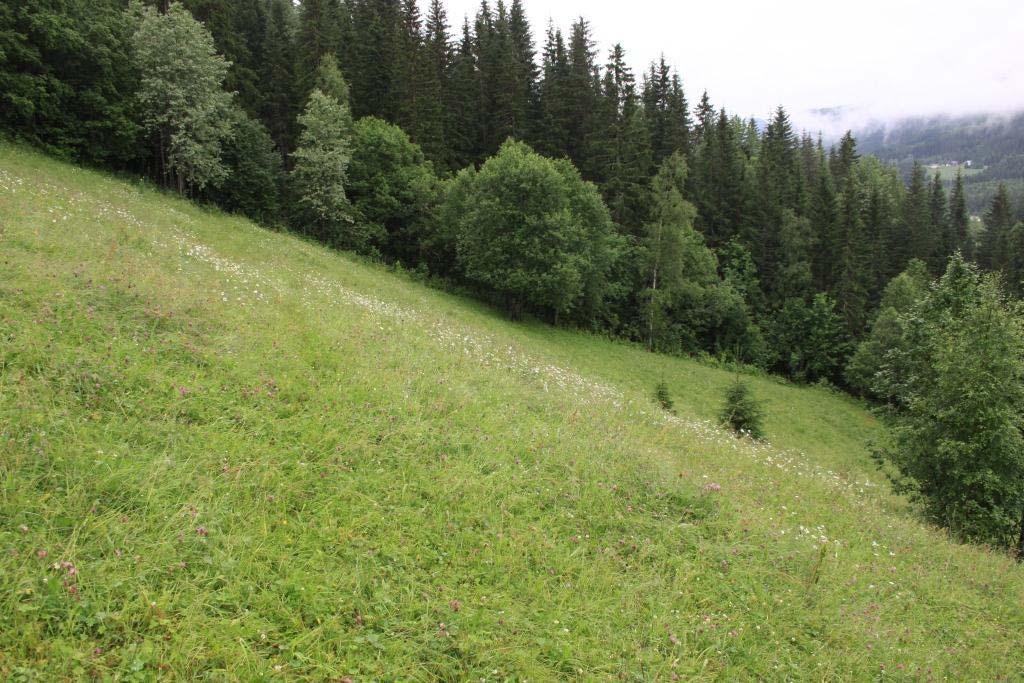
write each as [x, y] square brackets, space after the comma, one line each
[280, 104]
[553, 135]
[372, 61]
[705, 116]
[943, 244]
[994, 251]
[779, 189]
[856, 279]
[823, 217]
[238, 28]
[319, 34]
[917, 226]
[581, 94]
[666, 112]
[841, 160]
[619, 147]
[464, 115]
[525, 73]
[959, 221]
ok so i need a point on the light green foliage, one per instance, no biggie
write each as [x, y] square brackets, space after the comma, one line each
[687, 306]
[864, 373]
[320, 175]
[180, 99]
[741, 412]
[330, 81]
[958, 443]
[392, 188]
[267, 460]
[531, 231]
[676, 252]
[679, 265]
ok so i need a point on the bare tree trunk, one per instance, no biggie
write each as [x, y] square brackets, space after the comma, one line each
[1020, 543]
[654, 294]
[163, 6]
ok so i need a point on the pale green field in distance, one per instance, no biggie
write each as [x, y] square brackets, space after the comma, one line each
[228, 454]
[948, 173]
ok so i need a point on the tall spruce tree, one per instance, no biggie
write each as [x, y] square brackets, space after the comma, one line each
[779, 189]
[319, 34]
[917, 224]
[856, 280]
[959, 221]
[823, 217]
[555, 113]
[994, 251]
[280, 104]
[666, 112]
[464, 115]
[943, 244]
[525, 73]
[581, 95]
[372, 61]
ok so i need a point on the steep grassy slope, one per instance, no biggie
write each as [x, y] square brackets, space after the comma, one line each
[228, 454]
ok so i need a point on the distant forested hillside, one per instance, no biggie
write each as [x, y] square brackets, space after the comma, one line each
[994, 144]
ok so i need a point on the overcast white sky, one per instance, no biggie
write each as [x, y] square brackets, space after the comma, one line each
[879, 58]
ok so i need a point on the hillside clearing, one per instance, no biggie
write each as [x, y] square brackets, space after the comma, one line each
[228, 453]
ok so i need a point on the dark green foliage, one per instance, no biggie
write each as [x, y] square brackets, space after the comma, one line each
[66, 77]
[255, 176]
[994, 250]
[621, 148]
[959, 221]
[663, 396]
[958, 446]
[238, 28]
[392, 188]
[281, 101]
[917, 240]
[372, 58]
[319, 35]
[810, 340]
[666, 113]
[741, 412]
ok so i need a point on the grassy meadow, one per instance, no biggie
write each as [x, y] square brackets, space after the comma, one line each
[229, 454]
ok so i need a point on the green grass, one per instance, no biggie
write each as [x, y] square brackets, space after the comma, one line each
[948, 173]
[257, 458]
